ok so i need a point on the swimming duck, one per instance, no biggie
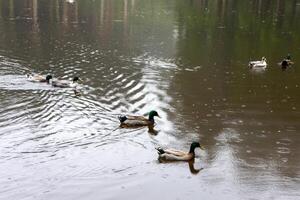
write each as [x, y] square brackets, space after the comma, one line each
[258, 64]
[137, 121]
[178, 155]
[286, 62]
[65, 83]
[38, 78]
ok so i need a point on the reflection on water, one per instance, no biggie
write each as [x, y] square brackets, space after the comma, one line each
[193, 170]
[185, 59]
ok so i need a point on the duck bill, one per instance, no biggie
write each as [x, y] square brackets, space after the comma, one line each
[201, 147]
[158, 116]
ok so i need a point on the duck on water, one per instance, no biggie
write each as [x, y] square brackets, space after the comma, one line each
[54, 82]
[178, 155]
[137, 121]
[260, 64]
[39, 78]
[287, 62]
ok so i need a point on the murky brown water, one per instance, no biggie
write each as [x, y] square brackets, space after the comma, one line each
[185, 59]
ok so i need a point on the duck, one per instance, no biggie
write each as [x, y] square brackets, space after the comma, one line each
[65, 83]
[39, 78]
[286, 62]
[178, 155]
[258, 64]
[137, 121]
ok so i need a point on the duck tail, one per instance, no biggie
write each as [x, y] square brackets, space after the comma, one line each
[160, 150]
[122, 118]
[29, 75]
[77, 92]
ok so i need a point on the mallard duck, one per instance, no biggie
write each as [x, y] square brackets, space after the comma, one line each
[286, 62]
[65, 83]
[136, 121]
[38, 78]
[178, 155]
[258, 64]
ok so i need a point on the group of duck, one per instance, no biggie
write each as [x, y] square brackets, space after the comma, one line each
[54, 81]
[126, 121]
[262, 64]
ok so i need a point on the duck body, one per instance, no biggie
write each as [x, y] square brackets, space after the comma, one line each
[137, 121]
[64, 83]
[262, 64]
[177, 155]
[38, 78]
[61, 83]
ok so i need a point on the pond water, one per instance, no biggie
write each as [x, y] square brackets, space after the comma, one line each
[185, 59]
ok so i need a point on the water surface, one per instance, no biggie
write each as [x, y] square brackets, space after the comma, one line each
[185, 59]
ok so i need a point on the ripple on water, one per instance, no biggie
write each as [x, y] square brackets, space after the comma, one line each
[54, 119]
[41, 124]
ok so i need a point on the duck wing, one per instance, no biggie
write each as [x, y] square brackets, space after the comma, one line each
[171, 157]
[175, 152]
[254, 62]
[36, 78]
[170, 151]
[124, 118]
[133, 122]
[261, 64]
[131, 117]
[61, 83]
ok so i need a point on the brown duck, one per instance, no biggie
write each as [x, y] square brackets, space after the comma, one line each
[137, 121]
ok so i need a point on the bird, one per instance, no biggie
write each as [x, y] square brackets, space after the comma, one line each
[178, 155]
[286, 62]
[38, 78]
[262, 64]
[137, 121]
[64, 83]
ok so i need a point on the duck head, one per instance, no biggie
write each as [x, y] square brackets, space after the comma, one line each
[284, 64]
[76, 79]
[48, 78]
[289, 57]
[153, 114]
[194, 145]
[264, 59]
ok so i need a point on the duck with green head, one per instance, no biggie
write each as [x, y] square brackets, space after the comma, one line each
[137, 121]
[287, 62]
[178, 155]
